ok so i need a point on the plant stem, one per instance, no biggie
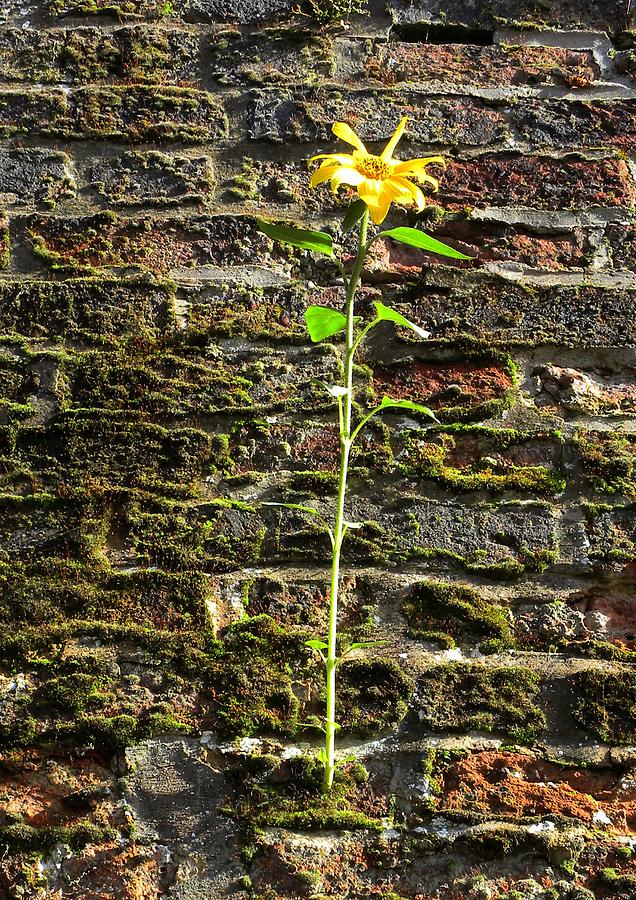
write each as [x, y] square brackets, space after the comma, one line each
[331, 662]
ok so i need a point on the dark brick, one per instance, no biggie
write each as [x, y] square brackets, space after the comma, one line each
[612, 533]
[491, 14]
[35, 176]
[92, 55]
[502, 311]
[98, 309]
[152, 178]
[157, 244]
[127, 113]
[148, 114]
[396, 63]
[561, 123]
[434, 120]
[536, 182]
[276, 57]
[33, 112]
[241, 12]
[621, 241]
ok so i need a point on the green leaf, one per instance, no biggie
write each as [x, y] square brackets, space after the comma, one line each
[364, 645]
[353, 215]
[416, 238]
[407, 404]
[353, 525]
[316, 645]
[385, 313]
[322, 322]
[318, 241]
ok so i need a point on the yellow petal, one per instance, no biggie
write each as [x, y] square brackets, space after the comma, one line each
[346, 176]
[369, 190]
[395, 137]
[343, 159]
[410, 192]
[379, 211]
[321, 175]
[413, 165]
[346, 133]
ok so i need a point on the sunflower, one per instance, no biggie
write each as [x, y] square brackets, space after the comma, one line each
[380, 180]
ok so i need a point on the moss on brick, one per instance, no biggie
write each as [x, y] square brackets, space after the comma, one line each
[457, 611]
[462, 697]
[373, 695]
[605, 702]
[271, 794]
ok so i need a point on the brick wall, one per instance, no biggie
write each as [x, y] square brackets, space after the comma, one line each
[156, 383]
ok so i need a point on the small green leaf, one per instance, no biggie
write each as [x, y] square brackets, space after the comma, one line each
[407, 404]
[385, 313]
[322, 322]
[322, 755]
[316, 645]
[364, 645]
[416, 238]
[346, 760]
[318, 241]
[353, 525]
[353, 215]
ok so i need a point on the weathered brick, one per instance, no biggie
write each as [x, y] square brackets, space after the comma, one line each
[621, 240]
[151, 178]
[274, 57]
[487, 242]
[507, 312]
[484, 14]
[105, 241]
[434, 120]
[561, 123]
[582, 391]
[536, 182]
[242, 12]
[611, 531]
[33, 112]
[98, 309]
[127, 113]
[148, 114]
[35, 176]
[397, 63]
[92, 55]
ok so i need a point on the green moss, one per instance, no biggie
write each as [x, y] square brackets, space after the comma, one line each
[608, 462]
[489, 472]
[20, 838]
[461, 697]
[253, 689]
[373, 695]
[317, 483]
[290, 795]
[325, 11]
[605, 703]
[457, 610]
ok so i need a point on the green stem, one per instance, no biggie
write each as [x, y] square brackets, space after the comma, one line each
[331, 663]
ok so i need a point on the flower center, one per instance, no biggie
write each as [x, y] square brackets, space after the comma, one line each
[373, 167]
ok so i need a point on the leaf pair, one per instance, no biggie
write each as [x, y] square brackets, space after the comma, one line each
[323, 322]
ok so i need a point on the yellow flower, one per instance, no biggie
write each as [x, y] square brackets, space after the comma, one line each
[379, 180]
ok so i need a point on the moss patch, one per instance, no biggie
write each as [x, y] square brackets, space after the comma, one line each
[445, 610]
[373, 695]
[269, 794]
[462, 697]
[605, 704]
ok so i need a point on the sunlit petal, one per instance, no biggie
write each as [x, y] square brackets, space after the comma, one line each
[395, 137]
[346, 133]
[413, 192]
[346, 176]
[321, 175]
[343, 159]
[413, 165]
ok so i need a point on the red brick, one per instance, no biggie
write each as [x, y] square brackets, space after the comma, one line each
[536, 182]
[464, 64]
